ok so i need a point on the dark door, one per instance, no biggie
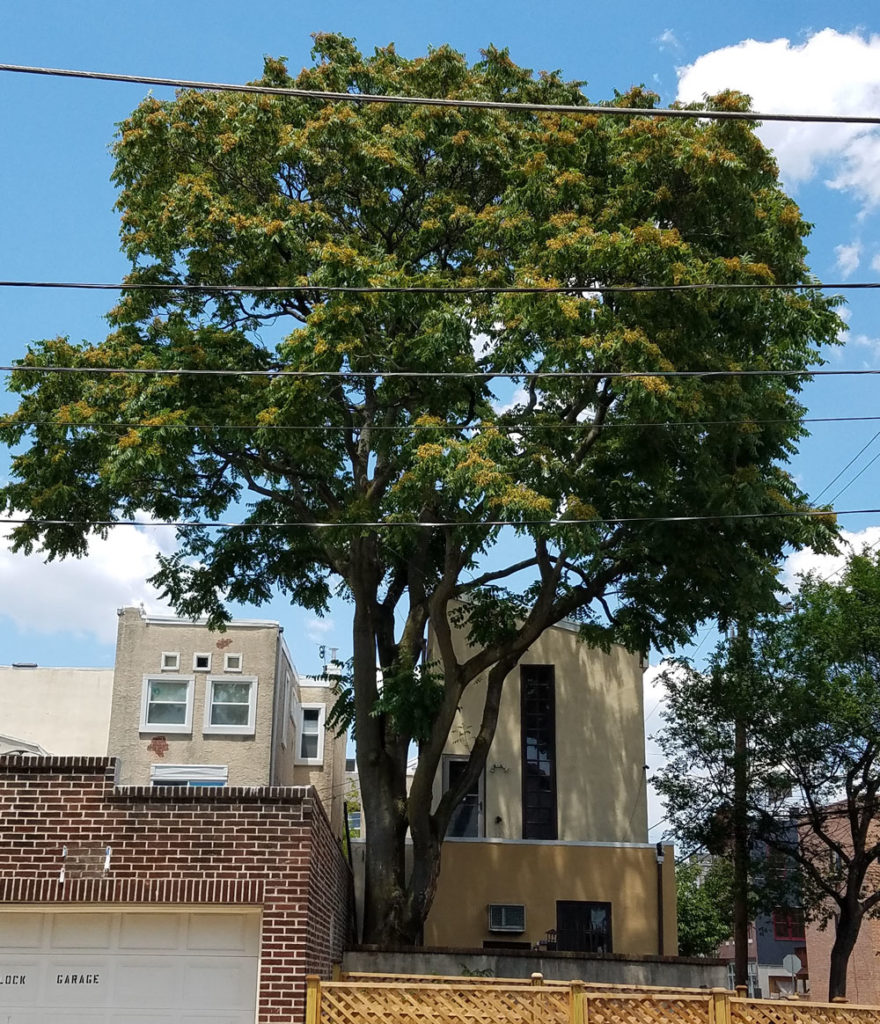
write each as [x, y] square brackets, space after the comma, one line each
[583, 926]
[467, 817]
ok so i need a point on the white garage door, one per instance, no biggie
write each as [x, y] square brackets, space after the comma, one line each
[128, 968]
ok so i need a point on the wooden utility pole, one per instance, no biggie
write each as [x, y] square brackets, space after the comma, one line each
[740, 854]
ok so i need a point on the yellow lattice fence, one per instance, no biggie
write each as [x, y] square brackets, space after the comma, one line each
[535, 979]
[777, 1011]
[525, 1001]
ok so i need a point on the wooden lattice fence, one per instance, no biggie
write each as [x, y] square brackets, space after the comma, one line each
[530, 1001]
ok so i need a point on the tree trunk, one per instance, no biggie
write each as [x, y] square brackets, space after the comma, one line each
[847, 931]
[740, 856]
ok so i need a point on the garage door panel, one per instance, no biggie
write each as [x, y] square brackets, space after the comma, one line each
[75, 981]
[235, 934]
[20, 980]
[21, 931]
[151, 931]
[83, 931]
[130, 968]
[221, 984]
[153, 982]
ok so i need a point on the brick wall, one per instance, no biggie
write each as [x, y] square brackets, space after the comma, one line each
[266, 846]
[863, 970]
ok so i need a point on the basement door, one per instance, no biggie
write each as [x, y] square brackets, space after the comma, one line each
[98, 967]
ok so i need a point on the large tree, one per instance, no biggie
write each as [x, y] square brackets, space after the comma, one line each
[248, 190]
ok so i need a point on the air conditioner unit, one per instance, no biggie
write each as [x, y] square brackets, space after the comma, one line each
[507, 917]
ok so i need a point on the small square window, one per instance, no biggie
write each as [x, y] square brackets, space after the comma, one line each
[167, 704]
[202, 662]
[170, 661]
[310, 741]
[230, 706]
[232, 663]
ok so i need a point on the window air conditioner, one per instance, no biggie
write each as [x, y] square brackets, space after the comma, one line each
[507, 917]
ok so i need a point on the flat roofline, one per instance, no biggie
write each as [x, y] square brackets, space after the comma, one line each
[497, 841]
[24, 669]
[173, 620]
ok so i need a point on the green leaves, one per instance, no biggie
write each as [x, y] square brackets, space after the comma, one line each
[257, 190]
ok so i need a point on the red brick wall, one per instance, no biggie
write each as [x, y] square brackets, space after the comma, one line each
[268, 846]
[863, 970]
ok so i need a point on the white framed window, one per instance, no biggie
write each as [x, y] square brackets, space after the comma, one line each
[189, 775]
[232, 662]
[202, 661]
[231, 705]
[170, 661]
[310, 734]
[167, 704]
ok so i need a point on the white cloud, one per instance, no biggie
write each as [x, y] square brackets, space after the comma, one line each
[519, 397]
[875, 262]
[869, 343]
[830, 73]
[482, 345]
[317, 629]
[808, 561]
[80, 596]
[848, 257]
[668, 40]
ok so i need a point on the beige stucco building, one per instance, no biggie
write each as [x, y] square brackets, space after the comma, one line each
[551, 848]
[192, 706]
[64, 711]
[185, 706]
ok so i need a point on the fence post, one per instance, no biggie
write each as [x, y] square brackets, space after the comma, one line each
[313, 999]
[577, 1003]
[719, 1006]
[336, 973]
[537, 978]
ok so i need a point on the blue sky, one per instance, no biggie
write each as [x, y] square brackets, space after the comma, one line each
[57, 219]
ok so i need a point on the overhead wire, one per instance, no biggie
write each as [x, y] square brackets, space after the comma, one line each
[444, 101]
[413, 428]
[855, 457]
[864, 468]
[440, 524]
[153, 371]
[441, 289]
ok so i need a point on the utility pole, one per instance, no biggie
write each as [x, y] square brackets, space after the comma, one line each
[740, 850]
[737, 638]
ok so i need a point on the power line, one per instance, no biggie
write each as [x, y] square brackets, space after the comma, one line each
[440, 289]
[188, 524]
[151, 371]
[412, 428]
[853, 480]
[426, 101]
[831, 483]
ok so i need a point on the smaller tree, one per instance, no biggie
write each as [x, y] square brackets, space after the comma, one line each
[719, 772]
[825, 732]
[806, 685]
[705, 906]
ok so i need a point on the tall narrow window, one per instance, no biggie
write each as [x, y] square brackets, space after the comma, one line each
[538, 716]
[310, 741]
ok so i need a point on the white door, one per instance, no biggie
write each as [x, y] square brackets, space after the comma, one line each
[128, 968]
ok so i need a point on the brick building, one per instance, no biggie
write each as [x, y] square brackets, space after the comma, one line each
[169, 904]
